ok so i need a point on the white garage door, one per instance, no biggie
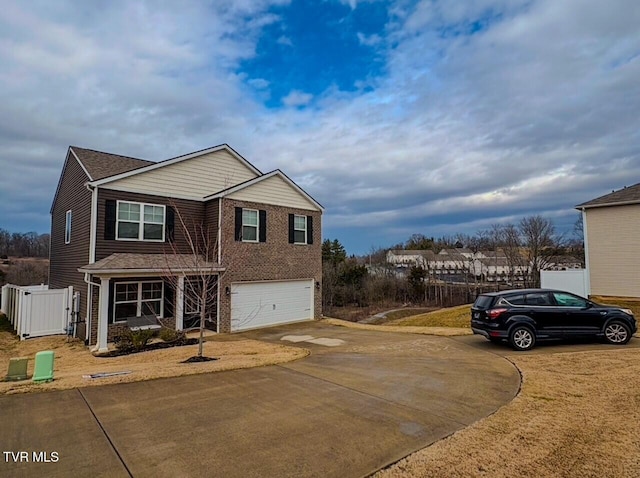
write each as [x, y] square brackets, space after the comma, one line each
[260, 304]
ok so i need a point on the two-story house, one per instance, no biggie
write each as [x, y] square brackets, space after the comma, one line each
[129, 234]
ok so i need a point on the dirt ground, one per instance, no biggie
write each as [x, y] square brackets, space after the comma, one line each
[577, 415]
[72, 361]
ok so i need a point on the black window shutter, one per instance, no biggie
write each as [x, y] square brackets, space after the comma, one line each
[291, 235]
[309, 229]
[110, 219]
[168, 300]
[111, 299]
[238, 224]
[262, 214]
[170, 225]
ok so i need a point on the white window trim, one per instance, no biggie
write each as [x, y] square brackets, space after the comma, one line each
[139, 299]
[67, 226]
[257, 225]
[296, 229]
[141, 223]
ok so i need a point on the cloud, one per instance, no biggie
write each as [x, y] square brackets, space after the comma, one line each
[484, 111]
[297, 98]
[369, 40]
[284, 40]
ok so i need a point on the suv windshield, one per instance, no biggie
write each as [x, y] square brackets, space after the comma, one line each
[483, 302]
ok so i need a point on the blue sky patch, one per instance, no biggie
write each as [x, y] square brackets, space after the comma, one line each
[315, 46]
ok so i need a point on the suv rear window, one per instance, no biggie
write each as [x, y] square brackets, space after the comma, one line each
[483, 302]
[512, 300]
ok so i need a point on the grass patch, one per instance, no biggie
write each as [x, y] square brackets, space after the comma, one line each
[403, 313]
[459, 316]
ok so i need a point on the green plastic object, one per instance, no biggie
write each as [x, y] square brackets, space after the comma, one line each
[17, 368]
[43, 368]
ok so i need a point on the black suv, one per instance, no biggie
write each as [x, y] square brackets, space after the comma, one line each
[526, 315]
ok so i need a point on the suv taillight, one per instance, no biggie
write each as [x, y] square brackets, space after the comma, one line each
[495, 313]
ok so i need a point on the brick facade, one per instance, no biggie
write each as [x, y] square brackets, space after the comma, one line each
[274, 259]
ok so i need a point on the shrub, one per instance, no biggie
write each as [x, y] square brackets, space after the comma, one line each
[171, 335]
[133, 340]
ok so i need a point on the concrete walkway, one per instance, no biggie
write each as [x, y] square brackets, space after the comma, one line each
[359, 402]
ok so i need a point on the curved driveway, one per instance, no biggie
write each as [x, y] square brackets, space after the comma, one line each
[359, 402]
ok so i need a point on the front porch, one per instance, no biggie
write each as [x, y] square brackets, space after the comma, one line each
[163, 291]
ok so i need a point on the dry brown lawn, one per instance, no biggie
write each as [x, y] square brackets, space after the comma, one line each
[459, 316]
[577, 415]
[73, 360]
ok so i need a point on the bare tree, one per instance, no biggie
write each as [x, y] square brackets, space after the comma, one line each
[538, 236]
[194, 273]
[511, 245]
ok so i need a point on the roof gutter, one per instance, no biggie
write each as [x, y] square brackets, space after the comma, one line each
[133, 272]
[608, 204]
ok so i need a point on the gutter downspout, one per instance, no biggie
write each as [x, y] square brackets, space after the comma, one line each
[92, 256]
[219, 263]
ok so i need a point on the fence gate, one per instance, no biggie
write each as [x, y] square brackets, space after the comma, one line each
[36, 311]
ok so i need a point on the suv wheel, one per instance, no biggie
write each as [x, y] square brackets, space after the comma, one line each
[522, 338]
[617, 333]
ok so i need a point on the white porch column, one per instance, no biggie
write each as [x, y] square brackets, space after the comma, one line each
[103, 316]
[180, 304]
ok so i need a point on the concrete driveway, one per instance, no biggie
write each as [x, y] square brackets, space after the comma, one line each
[359, 402]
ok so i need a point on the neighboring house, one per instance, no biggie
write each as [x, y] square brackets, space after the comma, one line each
[490, 266]
[562, 263]
[611, 225]
[117, 236]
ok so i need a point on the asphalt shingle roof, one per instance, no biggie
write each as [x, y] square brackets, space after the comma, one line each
[629, 194]
[161, 263]
[102, 165]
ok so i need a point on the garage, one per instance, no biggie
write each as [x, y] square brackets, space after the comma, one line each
[262, 304]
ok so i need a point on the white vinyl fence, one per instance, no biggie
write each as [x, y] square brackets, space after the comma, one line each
[575, 280]
[36, 311]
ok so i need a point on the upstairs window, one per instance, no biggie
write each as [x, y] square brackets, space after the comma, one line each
[300, 229]
[140, 222]
[67, 228]
[250, 225]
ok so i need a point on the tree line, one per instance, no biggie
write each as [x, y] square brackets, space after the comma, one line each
[27, 244]
[532, 242]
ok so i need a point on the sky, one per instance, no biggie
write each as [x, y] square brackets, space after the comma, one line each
[399, 117]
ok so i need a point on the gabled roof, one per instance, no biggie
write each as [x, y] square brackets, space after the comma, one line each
[458, 250]
[99, 165]
[626, 195]
[251, 182]
[150, 166]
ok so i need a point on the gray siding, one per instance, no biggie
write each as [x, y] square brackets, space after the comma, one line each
[65, 259]
[211, 213]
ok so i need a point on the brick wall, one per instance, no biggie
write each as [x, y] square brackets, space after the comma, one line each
[274, 259]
